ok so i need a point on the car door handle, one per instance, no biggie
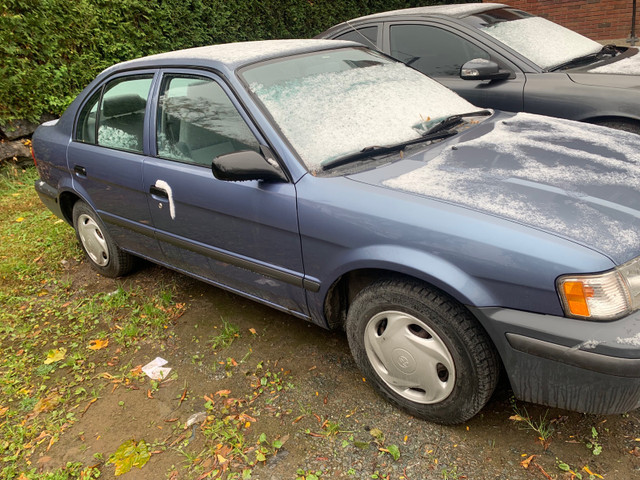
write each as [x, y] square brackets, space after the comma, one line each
[80, 171]
[162, 189]
[158, 192]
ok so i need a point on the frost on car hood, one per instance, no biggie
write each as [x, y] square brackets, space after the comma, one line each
[626, 66]
[575, 180]
[545, 43]
[330, 114]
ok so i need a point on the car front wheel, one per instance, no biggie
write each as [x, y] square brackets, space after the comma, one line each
[103, 253]
[422, 351]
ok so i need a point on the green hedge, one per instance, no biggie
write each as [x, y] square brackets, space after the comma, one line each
[51, 49]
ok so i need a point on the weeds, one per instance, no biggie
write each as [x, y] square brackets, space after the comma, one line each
[54, 337]
[543, 427]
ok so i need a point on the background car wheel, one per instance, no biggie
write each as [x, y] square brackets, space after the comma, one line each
[102, 252]
[620, 124]
[422, 351]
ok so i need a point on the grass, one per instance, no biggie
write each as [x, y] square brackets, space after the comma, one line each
[55, 338]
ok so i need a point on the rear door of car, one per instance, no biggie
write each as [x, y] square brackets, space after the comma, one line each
[240, 235]
[439, 49]
[106, 156]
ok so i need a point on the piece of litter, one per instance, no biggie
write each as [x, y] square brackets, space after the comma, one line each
[195, 418]
[155, 370]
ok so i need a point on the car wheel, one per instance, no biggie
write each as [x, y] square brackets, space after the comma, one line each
[624, 125]
[103, 253]
[422, 351]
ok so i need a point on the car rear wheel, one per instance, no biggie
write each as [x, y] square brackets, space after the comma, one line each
[103, 253]
[422, 351]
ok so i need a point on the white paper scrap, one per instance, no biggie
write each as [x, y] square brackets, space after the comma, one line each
[154, 369]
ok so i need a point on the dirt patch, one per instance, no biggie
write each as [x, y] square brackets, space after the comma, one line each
[296, 385]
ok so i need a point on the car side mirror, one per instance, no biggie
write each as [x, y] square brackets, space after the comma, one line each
[247, 165]
[481, 69]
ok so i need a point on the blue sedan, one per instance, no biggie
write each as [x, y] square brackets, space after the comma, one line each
[339, 185]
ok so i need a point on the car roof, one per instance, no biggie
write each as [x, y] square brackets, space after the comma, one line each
[460, 10]
[234, 55]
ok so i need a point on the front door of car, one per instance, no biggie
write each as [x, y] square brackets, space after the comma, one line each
[440, 52]
[240, 235]
[106, 157]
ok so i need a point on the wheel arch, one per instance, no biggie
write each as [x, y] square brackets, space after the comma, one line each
[348, 284]
[633, 124]
[67, 200]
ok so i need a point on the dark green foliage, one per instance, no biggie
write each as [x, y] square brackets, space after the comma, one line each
[51, 49]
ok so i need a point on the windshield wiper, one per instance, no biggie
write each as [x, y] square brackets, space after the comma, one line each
[452, 121]
[442, 129]
[376, 150]
[607, 50]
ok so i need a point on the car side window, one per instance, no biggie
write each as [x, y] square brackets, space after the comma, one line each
[86, 129]
[431, 50]
[366, 35]
[197, 121]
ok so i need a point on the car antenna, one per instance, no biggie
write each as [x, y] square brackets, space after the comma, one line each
[375, 47]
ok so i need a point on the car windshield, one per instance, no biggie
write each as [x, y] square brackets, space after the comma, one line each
[337, 102]
[545, 43]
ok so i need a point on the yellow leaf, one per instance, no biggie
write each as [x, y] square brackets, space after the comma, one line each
[3, 410]
[525, 463]
[252, 330]
[223, 393]
[516, 418]
[55, 355]
[20, 219]
[98, 344]
[586, 469]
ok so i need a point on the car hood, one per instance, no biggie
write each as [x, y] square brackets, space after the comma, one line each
[621, 72]
[570, 179]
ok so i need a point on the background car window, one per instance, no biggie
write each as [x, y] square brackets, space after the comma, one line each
[121, 115]
[432, 50]
[198, 122]
[367, 36]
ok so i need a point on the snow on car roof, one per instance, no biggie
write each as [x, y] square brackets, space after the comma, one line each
[235, 54]
[457, 11]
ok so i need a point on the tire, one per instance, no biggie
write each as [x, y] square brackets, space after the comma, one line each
[104, 255]
[621, 124]
[422, 351]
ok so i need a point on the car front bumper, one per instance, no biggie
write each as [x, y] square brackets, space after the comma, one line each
[586, 366]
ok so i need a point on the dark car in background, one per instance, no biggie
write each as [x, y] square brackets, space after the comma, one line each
[332, 182]
[500, 57]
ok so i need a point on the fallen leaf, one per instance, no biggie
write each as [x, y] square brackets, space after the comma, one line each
[223, 393]
[253, 330]
[91, 402]
[20, 219]
[130, 454]
[55, 355]
[525, 463]
[586, 469]
[98, 344]
[516, 418]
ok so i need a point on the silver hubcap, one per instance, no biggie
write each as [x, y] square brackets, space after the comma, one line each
[92, 240]
[410, 357]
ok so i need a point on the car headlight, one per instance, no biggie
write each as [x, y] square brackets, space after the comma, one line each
[603, 296]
